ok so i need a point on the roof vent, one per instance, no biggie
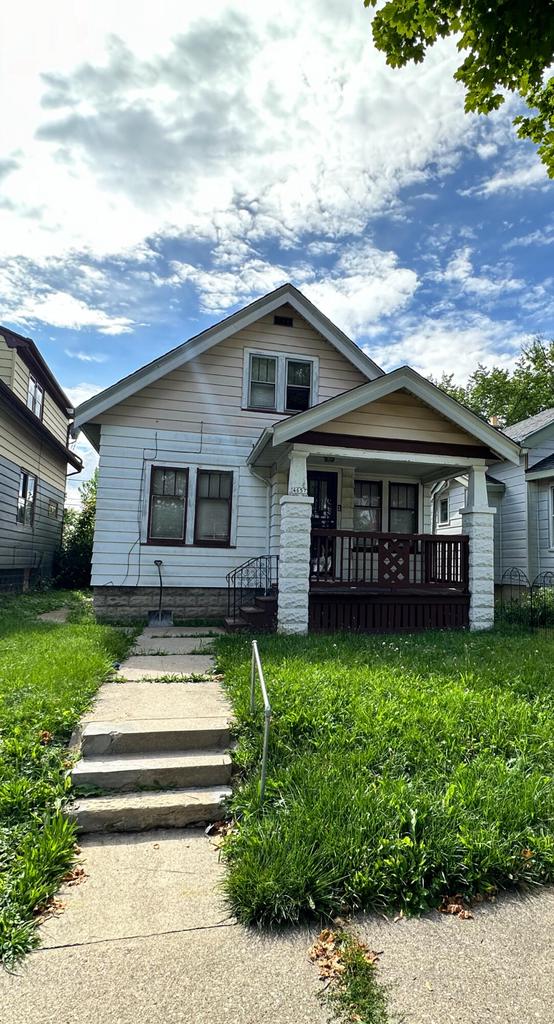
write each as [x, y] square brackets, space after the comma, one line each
[283, 321]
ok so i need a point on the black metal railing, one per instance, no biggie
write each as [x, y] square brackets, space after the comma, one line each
[258, 576]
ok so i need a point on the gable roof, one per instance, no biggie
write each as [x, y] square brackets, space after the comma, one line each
[403, 377]
[525, 428]
[32, 357]
[200, 343]
[544, 468]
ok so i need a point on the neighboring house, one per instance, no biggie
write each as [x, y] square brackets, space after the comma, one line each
[521, 494]
[272, 436]
[35, 420]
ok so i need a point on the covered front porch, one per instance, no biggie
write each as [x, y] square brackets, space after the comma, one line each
[351, 512]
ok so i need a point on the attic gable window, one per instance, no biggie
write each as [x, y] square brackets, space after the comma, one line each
[299, 386]
[35, 397]
[279, 383]
[283, 321]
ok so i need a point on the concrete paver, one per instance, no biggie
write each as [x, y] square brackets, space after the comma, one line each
[146, 937]
[172, 645]
[132, 701]
[180, 631]
[498, 967]
[157, 666]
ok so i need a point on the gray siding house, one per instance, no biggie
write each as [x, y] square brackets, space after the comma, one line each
[35, 420]
[523, 496]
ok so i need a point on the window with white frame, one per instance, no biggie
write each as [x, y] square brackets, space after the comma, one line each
[444, 512]
[26, 498]
[279, 383]
[35, 397]
[552, 516]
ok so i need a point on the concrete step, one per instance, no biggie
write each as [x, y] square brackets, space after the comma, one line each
[235, 625]
[161, 771]
[133, 812]
[259, 618]
[147, 736]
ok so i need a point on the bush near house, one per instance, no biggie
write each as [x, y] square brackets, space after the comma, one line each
[402, 769]
[73, 561]
[48, 677]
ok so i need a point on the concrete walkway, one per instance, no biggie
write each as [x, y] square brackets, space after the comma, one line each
[146, 938]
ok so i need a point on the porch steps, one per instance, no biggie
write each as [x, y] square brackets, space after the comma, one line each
[260, 615]
[133, 772]
[137, 812]
[104, 739]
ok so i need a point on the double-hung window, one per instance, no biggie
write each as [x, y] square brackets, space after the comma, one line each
[279, 383]
[367, 505]
[214, 495]
[263, 382]
[299, 385]
[35, 397]
[26, 498]
[403, 508]
[168, 505]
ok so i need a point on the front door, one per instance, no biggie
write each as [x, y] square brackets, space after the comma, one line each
[322, 487]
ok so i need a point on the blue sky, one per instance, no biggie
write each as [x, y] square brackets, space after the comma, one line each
[161, 167]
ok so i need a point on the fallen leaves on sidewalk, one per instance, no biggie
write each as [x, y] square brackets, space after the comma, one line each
[218, 831]
[75, 876]
[327, 953]
[457, 906]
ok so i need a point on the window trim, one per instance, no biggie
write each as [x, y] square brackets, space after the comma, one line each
[444, 522]
[280, 380]
[172, 541]
[199, 542]
[32, 504]
[404, 483]
[551, 524]
[365, 480]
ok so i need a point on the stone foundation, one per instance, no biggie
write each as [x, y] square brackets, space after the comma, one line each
[132, 604]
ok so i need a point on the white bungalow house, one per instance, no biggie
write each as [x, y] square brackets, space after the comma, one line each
[523, 497]
[269, 460]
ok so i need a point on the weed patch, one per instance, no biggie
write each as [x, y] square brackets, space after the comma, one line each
[401, 770]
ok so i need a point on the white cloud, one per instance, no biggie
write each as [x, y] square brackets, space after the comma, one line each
[63, 310]
[454, 343]
[86, 357]
[486, 149]
[459, 273]
[78, 393]
[519, 175]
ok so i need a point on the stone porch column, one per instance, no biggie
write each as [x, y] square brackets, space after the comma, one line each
[294, 554]
[478, 524]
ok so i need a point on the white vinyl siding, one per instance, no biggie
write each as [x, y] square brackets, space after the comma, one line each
[399, 415]
[210, 389]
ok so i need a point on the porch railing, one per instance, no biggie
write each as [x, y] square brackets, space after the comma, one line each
[343, 558]
[256, 576]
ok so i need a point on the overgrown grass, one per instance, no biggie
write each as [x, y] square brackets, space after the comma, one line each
[48, 677]
[401, 769]
[357, 997]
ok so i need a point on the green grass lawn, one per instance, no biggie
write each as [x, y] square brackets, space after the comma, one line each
[401, 769]
[48, 677]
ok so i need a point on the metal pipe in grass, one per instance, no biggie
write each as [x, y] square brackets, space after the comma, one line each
[257, 670]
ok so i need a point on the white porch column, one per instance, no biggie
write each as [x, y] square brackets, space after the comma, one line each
[294, 555]
[478, 524]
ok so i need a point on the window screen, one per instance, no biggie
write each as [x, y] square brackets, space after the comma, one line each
[262, 382]
[403, 499]
[367, 505]
[168, 503]
[213, 508]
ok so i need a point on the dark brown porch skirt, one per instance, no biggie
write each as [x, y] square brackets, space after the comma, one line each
[371, 612]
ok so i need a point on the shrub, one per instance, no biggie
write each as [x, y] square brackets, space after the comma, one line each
[73, 561]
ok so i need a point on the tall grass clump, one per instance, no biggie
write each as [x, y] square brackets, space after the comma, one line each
[401, 770]
[48, 677]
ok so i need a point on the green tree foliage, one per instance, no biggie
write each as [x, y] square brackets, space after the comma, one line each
[509, 395]
[508, 46]
[75, 556]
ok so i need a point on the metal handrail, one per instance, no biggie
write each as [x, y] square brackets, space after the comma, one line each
[256, 668]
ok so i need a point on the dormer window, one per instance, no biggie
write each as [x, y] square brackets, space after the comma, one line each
[279, 383]
[35, 397]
